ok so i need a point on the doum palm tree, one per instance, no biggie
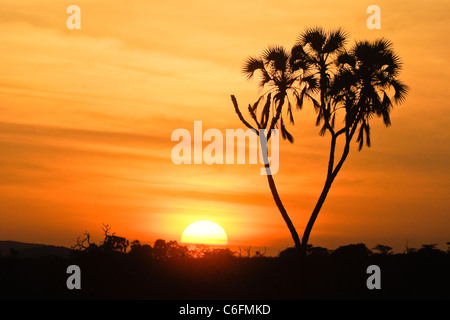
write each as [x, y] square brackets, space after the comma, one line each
[350, 84]
[286, 84]
[360, 89]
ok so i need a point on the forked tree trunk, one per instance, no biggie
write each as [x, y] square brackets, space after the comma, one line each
[265, 154]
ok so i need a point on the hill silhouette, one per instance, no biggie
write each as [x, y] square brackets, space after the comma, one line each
[33, 250]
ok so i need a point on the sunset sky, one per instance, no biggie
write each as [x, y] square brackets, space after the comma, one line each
[86, 118]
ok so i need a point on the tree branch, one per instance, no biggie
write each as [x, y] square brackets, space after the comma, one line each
[238, 112]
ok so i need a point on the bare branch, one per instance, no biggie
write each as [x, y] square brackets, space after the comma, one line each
[238, 112]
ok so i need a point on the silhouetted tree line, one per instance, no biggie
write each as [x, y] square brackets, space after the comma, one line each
[162, 249]
[116, 268]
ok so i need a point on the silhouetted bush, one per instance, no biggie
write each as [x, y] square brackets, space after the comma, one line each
[382, 249]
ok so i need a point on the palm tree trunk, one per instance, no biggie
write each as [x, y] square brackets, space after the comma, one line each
[265, 153]
[281, 208]
[331, 175]
[314, 215]
[273, 189]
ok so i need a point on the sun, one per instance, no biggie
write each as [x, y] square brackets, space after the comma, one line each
[204, 232]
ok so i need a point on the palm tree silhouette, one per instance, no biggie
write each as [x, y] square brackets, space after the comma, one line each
[318, 49]
[285, 79]
[361, 85]
[351, 84]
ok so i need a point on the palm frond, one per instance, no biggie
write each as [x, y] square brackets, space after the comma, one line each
[346, 58]
[312, 83]
[289, 112]
[299, 98]
[278, 56]
[284, 133]
[401, 90]
[360, 138]
[335, 41]
[251, 65]
[265, 78]
[367, 131]
[385, 109]
[316, 103]
[323, 130]
[314, 37]
[265, 112]
[299, 59]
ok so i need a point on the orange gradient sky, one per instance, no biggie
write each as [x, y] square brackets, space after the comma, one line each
[86, 118]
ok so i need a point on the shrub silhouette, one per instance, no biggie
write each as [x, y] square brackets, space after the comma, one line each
[358, 250]
[382, 249]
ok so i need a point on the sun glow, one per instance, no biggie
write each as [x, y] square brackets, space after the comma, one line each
[204, 232]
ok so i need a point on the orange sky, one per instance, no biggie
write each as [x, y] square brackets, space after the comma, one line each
[86, 118]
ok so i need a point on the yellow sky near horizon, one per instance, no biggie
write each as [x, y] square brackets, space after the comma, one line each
[86, 118]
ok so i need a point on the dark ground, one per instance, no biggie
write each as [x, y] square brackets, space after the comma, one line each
[150, 274]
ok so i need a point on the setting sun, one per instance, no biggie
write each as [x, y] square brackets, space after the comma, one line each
[204, 232]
